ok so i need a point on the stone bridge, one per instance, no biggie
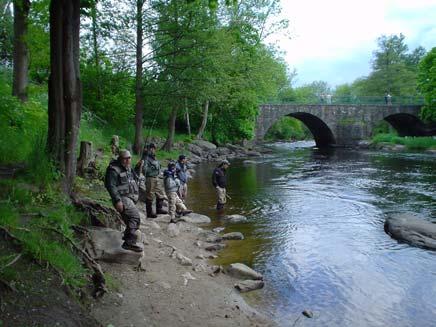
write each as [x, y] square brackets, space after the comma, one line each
[343, 125]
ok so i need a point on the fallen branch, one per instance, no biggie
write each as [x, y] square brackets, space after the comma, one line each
[12, 262]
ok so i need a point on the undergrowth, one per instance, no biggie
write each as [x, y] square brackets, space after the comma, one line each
[412, 143]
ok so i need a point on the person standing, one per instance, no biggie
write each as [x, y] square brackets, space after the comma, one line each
[172, 185]
[151, 171]
[121, 183]
[181, 170]
[219, 181]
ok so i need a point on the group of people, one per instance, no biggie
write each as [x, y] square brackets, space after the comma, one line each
[127, 186]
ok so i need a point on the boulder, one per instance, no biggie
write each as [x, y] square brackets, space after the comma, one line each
[195, 218]
[409, 228]
[214, 239]
[105, 244]
[162, 219]
[233, 236]
[239, 270]
[194, 159]
[215, 247]
[204, 145]
[223, 151]
[249, 285]
[235, 218]
[195, 149]
[253, 154]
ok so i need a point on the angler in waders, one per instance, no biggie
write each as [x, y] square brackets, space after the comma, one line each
[219, 181]
[121, 183]
[154, 187]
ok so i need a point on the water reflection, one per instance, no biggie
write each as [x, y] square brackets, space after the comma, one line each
[316, 232]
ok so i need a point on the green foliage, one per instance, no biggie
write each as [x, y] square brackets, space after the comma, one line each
[37, 236]
[427, 85]
[288, 128]
[412, 143]
[20, 123]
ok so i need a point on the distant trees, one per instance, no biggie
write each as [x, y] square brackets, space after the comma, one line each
[427, 85]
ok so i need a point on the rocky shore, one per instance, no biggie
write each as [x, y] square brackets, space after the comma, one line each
[174, 282]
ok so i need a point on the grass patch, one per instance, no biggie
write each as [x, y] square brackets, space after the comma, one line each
[411, 142]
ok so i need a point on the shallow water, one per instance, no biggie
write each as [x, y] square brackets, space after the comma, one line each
[315, 231]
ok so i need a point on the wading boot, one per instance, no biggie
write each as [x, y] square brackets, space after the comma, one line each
[159, 207]
[149, 209]
[186, 212]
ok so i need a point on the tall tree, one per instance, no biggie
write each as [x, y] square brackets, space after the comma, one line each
[427, 85]
[65, 92]
[21, 52]
[139, 105]
[6, 32]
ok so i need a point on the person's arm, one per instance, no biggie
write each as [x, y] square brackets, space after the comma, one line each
[214, 178]
[111, 185]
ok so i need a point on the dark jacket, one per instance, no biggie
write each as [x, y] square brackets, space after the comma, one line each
[181, 172]
[121, 182]
[219, 177]
[151, 166]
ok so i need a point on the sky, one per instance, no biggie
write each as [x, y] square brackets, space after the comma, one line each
[333, 40]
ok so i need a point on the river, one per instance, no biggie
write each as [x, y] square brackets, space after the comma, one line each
[315, 231]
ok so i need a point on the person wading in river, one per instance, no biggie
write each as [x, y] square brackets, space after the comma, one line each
[121, 183]
[219, 181]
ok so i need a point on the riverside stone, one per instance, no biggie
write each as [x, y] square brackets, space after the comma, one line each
[218, 229]
[239, 270]
[195, 149]
[233, 236]
[215, 247]
[249, 285]
[173, 230]
[204, 145]
[105, 244]
[411, 229]
[235, 218]
[195, 218]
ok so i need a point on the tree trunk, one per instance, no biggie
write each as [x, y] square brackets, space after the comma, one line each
[21, 53]
[168, 146]
[65, 91]
[85, 157]
[204, 121]
[95, 48]
[139, 107]
[188, 123]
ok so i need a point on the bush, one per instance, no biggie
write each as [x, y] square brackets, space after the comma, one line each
[412, 143]
[288, 128]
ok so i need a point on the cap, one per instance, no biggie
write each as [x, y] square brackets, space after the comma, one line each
[225, 162]
[171, 165]
[124, 154]
[181, 157]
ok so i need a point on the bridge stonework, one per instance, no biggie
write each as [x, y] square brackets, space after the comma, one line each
[342, 125]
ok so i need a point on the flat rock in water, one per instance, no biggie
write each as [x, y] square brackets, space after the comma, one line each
[218, 229]
[105, 244]
[195, 218]
[215, 247]
[249, 285]
[233, 236]
[409, 228]
[242, 271]
[235, 218]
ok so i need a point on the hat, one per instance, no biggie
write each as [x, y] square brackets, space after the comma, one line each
[124, 154]
[225, 162]
[171, 165]
[181, 157]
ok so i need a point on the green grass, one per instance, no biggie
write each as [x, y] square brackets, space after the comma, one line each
[412, 143]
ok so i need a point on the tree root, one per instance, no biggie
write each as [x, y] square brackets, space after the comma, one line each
[98, 276]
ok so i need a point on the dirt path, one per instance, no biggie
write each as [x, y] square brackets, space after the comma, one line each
[165, 294]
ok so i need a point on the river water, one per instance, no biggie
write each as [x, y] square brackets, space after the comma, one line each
[315, 231]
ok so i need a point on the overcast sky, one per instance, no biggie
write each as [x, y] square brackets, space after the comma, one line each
[333, 40]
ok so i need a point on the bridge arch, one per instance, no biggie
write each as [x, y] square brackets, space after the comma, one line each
[321, 132]
[406, 124]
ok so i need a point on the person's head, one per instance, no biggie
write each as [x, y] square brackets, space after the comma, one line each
[152, 148]
[182, 159]
[225, 164]
[125, 158]
[171, 166]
